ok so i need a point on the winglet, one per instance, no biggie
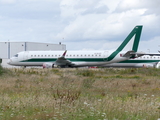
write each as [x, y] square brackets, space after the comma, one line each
[64, 53]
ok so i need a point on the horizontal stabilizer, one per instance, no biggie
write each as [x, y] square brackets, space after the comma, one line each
[128, 54]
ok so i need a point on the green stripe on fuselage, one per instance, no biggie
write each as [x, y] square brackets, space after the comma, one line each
[70, 59]
[139, 61]
[87, 60]
[40, 60]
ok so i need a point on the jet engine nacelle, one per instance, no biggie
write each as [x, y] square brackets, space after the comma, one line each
[148, 65]
[157, 65]
[48, 65]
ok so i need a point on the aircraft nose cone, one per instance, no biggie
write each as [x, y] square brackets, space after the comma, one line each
[9, 61]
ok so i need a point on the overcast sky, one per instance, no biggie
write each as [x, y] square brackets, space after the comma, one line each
[81, 24]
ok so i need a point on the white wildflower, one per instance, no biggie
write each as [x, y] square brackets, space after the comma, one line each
[85, 103]
[92, 108]
[102, 115]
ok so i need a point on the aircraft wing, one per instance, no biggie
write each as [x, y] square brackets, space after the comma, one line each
[62, 61]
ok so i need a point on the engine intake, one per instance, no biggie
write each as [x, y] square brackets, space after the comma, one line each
[48, 65]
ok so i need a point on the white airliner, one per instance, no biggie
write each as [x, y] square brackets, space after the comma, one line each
[80, 58]
[149, 60]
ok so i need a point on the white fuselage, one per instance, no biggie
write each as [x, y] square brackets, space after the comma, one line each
[143, 61]
[78, 58]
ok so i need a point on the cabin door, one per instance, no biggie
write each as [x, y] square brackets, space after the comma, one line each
[25, 56]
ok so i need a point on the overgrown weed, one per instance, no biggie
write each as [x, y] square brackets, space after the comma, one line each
[86, 73]
[80, 94]
[4, 71]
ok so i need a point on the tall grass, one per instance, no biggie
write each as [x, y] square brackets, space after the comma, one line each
[2, 70]
[80, 94]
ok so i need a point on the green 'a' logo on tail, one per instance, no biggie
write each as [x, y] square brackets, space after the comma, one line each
[137, 32]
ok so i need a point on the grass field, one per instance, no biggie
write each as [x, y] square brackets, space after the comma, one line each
[80, 94]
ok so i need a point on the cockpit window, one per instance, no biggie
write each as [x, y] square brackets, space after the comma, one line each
[16, 55]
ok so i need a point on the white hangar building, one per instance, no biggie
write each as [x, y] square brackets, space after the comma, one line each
[9, 49]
